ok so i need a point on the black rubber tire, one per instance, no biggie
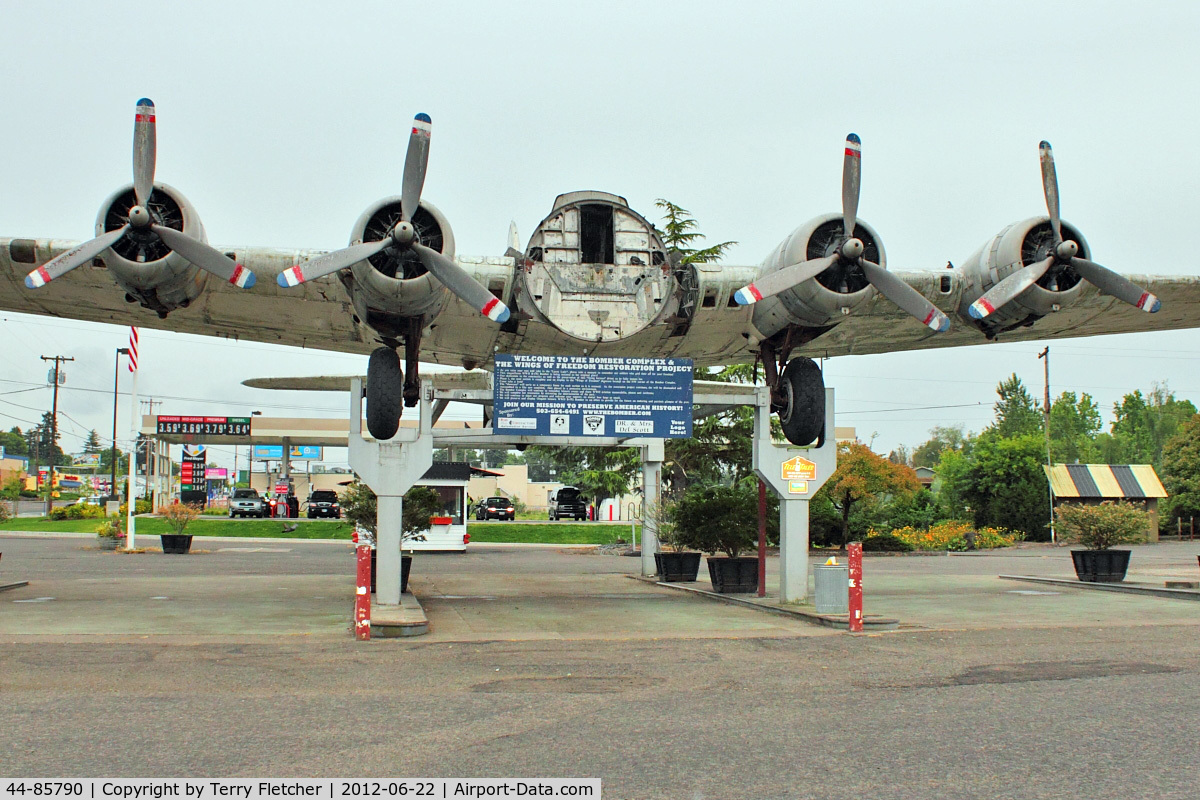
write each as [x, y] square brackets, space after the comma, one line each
[385, 393]
[803, 412]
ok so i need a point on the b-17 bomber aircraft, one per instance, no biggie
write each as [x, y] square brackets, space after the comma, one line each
[594, 279]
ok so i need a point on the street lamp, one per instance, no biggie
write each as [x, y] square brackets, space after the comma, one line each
[112, 489]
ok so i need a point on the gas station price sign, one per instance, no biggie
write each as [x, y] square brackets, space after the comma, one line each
[204, 426]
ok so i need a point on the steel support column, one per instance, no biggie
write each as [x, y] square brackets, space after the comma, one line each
[652, 458]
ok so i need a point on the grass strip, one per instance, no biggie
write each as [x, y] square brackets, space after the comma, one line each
[481, 532]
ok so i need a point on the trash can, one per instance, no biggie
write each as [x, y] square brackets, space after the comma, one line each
[832, 584]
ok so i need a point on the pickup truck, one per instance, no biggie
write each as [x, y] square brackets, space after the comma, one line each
[246, 503]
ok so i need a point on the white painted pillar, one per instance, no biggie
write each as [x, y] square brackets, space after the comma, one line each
[388, 514]
[793, 551]
[652, 458]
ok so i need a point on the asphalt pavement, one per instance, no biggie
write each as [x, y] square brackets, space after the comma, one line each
[551, 662]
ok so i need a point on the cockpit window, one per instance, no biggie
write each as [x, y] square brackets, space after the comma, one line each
[596, 234]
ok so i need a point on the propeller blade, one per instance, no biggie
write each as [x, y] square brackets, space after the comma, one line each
[205, 257]
[851, 178]
[415, 163]
[1010, 287]
[1050, 188]
[76, 256]
[907, 298]
[466, 288]
[1116, 285]
[143, 151]
[331, 262]
[782, 280]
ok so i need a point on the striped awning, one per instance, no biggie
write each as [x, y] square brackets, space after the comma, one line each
[1107, 481]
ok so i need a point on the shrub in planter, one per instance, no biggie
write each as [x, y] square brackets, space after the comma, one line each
[110, 534]
[360, 509]
[722, 519]
[1099, 528]
[674, 562]
[178, 517]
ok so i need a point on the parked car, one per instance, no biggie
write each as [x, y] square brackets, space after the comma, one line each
[568, 503]
[324, 503]
[496, 508]
[246, 503]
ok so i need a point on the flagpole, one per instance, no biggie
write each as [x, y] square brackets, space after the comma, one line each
[130, 534]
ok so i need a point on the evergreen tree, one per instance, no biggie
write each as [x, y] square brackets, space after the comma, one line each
[679, 234]
[1016, 411]
[92, 443]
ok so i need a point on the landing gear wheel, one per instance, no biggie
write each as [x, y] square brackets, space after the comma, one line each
[803, 391]
[385, 393]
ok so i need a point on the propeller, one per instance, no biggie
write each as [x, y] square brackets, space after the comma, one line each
[403, 236]
[1064, 256]
[850, 253]
[140, 218]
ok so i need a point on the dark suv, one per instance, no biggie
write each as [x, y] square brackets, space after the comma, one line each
[323, 503]
[568, 503]
[496, 508]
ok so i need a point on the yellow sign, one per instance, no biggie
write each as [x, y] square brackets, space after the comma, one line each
[799, 469]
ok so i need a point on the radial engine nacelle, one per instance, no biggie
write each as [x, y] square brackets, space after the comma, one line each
[392, 287]
[1020, 245]
[151, 273]
[833, 292]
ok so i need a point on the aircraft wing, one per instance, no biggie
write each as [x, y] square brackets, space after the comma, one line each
[877, 326]
[319, 314]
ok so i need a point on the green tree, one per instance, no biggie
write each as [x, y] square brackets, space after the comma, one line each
[1074, 425]
[720, 448]
[1143, 425]
[1016, 411]
[92, 443]
[679, 234]
[1005, 484]
[1180, 472]
[864, 478]
[13, 442]
[940, 439]
[599, 472]
[952, 483]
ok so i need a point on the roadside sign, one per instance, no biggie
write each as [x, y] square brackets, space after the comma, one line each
[274, 452]
[579, 396]
[203, 426]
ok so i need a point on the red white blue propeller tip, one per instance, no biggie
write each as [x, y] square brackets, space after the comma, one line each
[980, 309]
[495, 311]
[1148, 303]
[937, 321]
[422, 124]
[242, 277]
[747, 295]
[854, 145]
[292, 276]
[37, 279]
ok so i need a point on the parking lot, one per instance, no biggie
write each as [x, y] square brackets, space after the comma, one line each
[237, 660]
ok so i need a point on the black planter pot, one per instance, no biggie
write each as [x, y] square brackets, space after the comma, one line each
[405, 567]
[179, 545]
[733, 575]
[677, 567]
[1100, 566]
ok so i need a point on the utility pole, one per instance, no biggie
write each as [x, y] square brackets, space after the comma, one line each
[53, 426]
[1045, 356]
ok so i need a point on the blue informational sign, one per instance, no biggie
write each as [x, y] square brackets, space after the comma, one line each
[274, 452]
[648, 398]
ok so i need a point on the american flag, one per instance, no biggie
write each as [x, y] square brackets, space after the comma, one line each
[133, 343]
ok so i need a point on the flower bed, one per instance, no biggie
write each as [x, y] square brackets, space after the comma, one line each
[953, 535]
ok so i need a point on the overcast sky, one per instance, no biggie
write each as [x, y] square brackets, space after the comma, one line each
[282, 121]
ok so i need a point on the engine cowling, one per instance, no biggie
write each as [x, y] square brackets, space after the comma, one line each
[150, 273]
[1019, 245]
[391, 288]
[831, 294]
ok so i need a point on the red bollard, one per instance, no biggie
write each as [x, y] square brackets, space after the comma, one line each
[362, 595]
[854, 554]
